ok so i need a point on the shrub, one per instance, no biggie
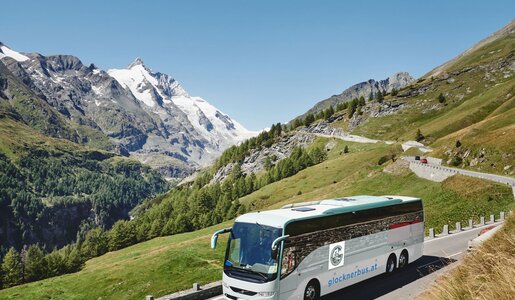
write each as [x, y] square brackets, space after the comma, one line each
[441, 98]
[419, 136]
[383, 159]
[456, 161]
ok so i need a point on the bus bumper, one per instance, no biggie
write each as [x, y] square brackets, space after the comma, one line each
[236, 289]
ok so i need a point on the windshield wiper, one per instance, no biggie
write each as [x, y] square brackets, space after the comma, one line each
[249, 271]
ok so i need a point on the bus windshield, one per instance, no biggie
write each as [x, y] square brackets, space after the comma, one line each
[249, 252]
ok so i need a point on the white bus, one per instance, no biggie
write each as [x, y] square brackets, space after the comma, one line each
[307, 250]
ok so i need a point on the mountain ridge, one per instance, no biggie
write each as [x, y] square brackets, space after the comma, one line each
[364, 89]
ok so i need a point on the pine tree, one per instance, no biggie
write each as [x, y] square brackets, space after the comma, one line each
[352, 107]
[346, 149]
[122, 234]
[56, 264]
[328, 112]
[73, 259]
[394, 92]
[458, 144]
[12, 268]
[309, 120]
[362, 101]
[370, 96]
[236, 171]
[35, 264]
[268, 163]
[379, 96]
[95, 243]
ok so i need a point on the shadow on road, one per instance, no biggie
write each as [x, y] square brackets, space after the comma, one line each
[383, 284]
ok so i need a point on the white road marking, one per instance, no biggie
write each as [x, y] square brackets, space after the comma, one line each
[457, 253]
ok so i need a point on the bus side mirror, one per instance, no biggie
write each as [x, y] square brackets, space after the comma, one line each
[276, 242]
[214, 238]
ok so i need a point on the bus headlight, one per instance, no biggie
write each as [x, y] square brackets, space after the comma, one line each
[266, 294]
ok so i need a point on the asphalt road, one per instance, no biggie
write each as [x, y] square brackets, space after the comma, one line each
[439, 253]
[493, 177]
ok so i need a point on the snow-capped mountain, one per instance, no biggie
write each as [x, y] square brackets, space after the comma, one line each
[159, 92]
[145, 115]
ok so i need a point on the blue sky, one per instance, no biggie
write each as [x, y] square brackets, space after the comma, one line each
[261, 62]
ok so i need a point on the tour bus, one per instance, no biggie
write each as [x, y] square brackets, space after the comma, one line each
[307, 250]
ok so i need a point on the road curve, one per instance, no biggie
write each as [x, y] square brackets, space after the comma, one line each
[439, 253]
[488, 176]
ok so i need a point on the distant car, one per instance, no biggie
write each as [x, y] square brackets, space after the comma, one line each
[417, 157]
[485, 230]
[423, 160]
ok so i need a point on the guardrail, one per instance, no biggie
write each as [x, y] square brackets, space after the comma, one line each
[198, 292]
[493, 177]
[458, 227]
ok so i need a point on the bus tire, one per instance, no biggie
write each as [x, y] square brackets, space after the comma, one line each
[312, 290]
[391, 263]
[403, 259]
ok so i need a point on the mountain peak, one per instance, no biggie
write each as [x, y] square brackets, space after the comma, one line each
[6, 51]
[137, 62]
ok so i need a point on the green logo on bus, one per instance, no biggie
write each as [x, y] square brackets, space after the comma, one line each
[336, 255]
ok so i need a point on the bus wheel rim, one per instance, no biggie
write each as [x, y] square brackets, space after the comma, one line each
[310, 292]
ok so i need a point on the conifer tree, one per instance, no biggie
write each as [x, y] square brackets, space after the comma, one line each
[362, 101]
[379, 96]
[12, 268]
[352, 107]
[35, 264]
[309, 120]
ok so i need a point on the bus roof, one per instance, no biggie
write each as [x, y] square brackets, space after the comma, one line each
[279, 217]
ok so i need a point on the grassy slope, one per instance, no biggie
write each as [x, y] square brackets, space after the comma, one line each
[155, 267]
[16, 138]
[168, 264]
[479, 109]
[486, 273]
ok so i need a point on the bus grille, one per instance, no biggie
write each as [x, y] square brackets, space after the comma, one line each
[242, 291]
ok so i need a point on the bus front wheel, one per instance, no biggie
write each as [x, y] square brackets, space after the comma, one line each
[390, 263]
[312, 291]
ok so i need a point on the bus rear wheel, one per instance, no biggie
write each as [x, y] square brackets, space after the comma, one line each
[390, 263]
[403, 259]
[312, 291]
